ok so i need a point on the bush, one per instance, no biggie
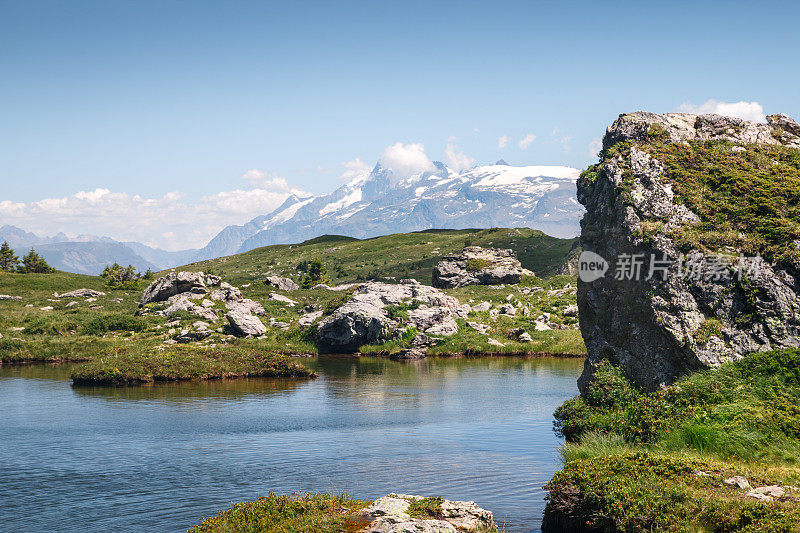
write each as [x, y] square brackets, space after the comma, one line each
[104, 324]
[121, 278]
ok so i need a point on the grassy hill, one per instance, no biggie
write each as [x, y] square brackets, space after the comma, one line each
[402, 255]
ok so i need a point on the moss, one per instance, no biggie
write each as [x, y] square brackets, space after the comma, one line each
[146, 364]
[711, 327]
[304, 513]
[430, 507]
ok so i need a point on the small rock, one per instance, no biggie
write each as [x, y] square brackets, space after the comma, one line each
[70, 304]
[80, 293]
[493, 342]
[570, 310]
[281, 298]
[91, 300]
[767, 493]
[46, 308]
[483, 306]
[284, 284]
[738, 481]
[309, 318]
[541, 326]
[508, 309]
[9, 297]
[477, 326]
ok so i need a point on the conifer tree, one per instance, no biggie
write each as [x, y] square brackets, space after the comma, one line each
[8, 261]
[34, 263]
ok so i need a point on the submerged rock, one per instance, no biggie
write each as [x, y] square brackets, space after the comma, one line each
[478, 266]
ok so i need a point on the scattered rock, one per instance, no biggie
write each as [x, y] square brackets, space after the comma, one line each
[507, 309]
[226, 293]
[477, 326]
[309, 318]
[278, 324]
[71, 304]
[520, 335]
[80, 293]
[483, 306]
[478, 266]
[246, 306]
[245, 324]
[284, 284]
[212, 280]
[92, 299]
[281, 298]
[46, 308]
[172, 284]
[493, 342]
[738, 481]
[541, 326]
[320, 286]
[8, 297]
[570, 310]
[768, 493]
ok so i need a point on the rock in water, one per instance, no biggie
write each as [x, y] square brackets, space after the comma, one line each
[172, 284]
[245, 324]
[660, 327]
[478, 266]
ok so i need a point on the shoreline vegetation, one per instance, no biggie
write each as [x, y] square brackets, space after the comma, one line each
[719, 450]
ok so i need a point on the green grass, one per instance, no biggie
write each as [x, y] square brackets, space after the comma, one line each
[306, 513]
[148, 363]
[748, 199]
[402, 255]
[426, 508]
[631, 457]
[650, 491]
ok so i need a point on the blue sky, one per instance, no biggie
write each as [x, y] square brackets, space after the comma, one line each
[150, 98]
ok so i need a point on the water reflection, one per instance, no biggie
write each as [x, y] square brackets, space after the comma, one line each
[159, 457]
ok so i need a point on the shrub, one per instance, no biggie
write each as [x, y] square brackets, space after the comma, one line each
[104, 324]
[121, 278]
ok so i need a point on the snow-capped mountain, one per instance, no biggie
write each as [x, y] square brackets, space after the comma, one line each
[380, 203]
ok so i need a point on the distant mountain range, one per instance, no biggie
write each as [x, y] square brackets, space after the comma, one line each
[90, 254]
[379, 203]
[374, 203]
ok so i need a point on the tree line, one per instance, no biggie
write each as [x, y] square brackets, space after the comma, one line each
[30, 263]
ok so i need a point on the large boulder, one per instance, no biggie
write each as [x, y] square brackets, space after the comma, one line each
[245, 324]
[659, 325]
[478, 266]
[364, 318]
[173, 283]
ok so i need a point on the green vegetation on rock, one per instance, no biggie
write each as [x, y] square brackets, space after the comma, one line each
[305, 513]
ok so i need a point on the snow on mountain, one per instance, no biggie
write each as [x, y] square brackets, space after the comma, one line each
[378, 203]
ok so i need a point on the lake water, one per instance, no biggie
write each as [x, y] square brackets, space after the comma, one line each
[160, 457]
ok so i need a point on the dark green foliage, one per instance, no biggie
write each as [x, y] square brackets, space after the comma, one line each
[401, 310]
[33, 263]
[150, 275]
[315, 273]
[748, 409]
[8, 261]
[121, 278]
[106, 323]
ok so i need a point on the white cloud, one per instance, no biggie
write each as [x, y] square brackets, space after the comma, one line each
[595, 146]
[744, 110]
[406, 159]
[563, 140]
[526, 141]
[455, 159]
[169, 222]
[503, 141]
[354, 169]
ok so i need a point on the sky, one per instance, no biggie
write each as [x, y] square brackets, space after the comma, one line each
[164, 121]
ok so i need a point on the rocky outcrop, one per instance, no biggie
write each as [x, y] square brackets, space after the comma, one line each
[172, 284]
[478, 266]
[395, 514]
[364, 319]
[80, 293]
[659, 325]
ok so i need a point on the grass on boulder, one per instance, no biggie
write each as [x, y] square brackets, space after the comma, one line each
[305, 513]
[149, 363]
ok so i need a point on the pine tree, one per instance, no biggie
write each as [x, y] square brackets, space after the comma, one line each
[314, 274]
[34, 263]
[8, 261]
